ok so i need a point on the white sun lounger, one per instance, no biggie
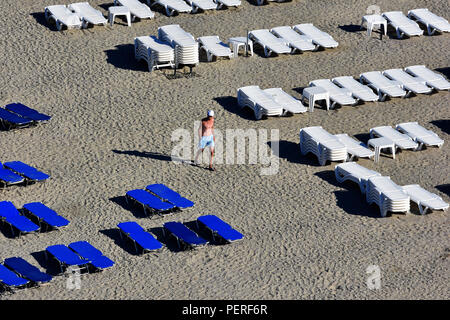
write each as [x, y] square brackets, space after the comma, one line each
[295, 40]
[202, 5]
[186, 48]
[259, 101]
[228, 3]
[409, 83]
[382, 85]
[172, 6]
[155, 52]
[269, 42]
[214, 47]
[318, 37]
[338, 95]
[402, 25]
[400, 140]
[62, 17]
[355, 148]
[432, 21]
[137, 9]
[358, 90]
[433, 79]
[88, 14]
[387, 195]
[354, 172]
[288, 102]
[424, 199]
[420, 135]
[322, 144]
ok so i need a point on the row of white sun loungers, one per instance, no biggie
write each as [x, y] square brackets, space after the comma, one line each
[284, 39]
[179, 6]
[382, 191]
[268, 102]
[75, 16]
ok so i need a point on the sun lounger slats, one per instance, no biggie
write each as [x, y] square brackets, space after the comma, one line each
[322, 144]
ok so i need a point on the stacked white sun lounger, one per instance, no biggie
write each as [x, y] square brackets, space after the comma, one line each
[382, 85]
[358, 90]
[338, 95]
[354, 172]
[137, 9]
[387, 195]
[420, 135]
[400, 140]
[62, 16]
[355, 148]
[186, 48]
[269, 42]
[88, 14]
[322, 144]
[214, 47]
[288, 102]
[402, 25]
[295, 40]
[432, 79]
[432, 21]
[172, 6]
[318, 37]
[155, 52]
[261, 102]
[409, 83]
[424, 199]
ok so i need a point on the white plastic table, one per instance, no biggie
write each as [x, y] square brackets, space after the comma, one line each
[119, 11]
[314, 94]
[237, 42]
[381, 143]
[374, 20]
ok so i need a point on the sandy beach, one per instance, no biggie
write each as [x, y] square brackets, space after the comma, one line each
[306, 235]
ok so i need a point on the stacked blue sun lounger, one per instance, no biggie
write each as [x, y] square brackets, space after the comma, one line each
[30, 173]
[149, 202]
[185, 237]
[10, 215]
[169, 195]
[7, 177]
[219, 228]
[89, 252]
[67, 258]
[27, 271]
[10, 281]
[139, 236]
[27, 112]
[44, 214]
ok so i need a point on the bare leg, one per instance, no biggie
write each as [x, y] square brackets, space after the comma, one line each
[211, 159]
[196, 156]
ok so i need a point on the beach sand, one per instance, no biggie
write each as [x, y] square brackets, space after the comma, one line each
[306, 236]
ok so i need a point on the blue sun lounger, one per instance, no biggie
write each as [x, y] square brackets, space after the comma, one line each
[29, 172]
[8, 177]
[10, 280]
[183, 235]
[169, 195]
[139, 236]
[149, 201]
[27, 112]
[27, 270]
[9, 120]
[10, 215]
[89, 252]
[44, 214]
[67, 258]
[219, 228]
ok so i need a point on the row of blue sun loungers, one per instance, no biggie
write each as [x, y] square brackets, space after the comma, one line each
[158, 199]
[17, 115]
[185, 237]
[78, 256]
[36, 211]
[17, 172]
